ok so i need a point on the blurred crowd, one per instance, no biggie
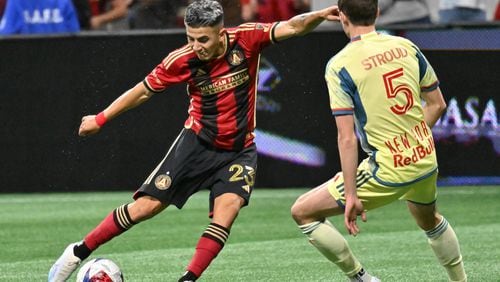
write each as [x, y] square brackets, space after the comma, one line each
[53, 16]
[68, 16]
[448, 11]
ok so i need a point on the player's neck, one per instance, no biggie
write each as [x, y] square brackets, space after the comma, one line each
[222, 47]
[357, 30]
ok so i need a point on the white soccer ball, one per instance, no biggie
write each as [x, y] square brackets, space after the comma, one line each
[99, 270]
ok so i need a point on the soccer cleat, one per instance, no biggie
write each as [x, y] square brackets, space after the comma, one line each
[188, 276]
[363, 276]
[65, 265]
[366, 278]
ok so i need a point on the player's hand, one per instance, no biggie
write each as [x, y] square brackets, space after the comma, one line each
[332, 13]
[88, 126]
[353, 208]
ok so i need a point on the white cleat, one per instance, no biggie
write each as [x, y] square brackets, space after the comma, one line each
[363, 276]
[65, 265]
[365, 279]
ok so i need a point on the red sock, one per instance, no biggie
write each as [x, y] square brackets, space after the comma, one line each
[210, 244]
[117, 222]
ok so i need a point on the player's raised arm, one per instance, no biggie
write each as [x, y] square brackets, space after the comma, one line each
[128, 100]
[304, 23]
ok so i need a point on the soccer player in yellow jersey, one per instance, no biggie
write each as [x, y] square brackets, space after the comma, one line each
[376, 86]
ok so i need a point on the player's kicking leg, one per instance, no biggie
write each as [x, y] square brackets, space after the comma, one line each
[441, 238]
[226, 208]
[310, 212]
[118, 221]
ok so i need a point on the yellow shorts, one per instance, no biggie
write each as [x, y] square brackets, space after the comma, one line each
[374, 194]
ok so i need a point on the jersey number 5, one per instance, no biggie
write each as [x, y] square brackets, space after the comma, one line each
[393, 90]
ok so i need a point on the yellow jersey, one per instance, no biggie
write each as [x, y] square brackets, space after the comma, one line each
[378, 78]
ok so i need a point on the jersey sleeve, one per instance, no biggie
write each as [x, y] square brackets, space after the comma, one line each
[428, 78]
[257, 36]
[172, 70]
[340, 101]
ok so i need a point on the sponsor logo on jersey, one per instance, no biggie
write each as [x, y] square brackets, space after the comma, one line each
[223, 83]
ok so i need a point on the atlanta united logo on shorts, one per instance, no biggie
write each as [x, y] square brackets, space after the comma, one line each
[163, 181]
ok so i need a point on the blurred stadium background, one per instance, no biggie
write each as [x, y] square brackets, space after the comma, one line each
[49, 82]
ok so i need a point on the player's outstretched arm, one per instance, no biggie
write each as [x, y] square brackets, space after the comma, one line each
[304, 23]
[132, 98]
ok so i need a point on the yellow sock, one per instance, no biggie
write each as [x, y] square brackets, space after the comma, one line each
[444, 243]
[332, 245]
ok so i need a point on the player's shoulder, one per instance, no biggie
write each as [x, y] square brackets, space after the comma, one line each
[340, 58]
[178, 57]
[249, 28]
[249, 32]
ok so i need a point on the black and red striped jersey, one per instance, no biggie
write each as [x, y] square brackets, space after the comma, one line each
[223, 90]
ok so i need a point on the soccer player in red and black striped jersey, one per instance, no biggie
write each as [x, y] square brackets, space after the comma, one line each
[215, 149]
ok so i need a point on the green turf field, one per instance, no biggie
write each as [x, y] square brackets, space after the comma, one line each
[265, 244]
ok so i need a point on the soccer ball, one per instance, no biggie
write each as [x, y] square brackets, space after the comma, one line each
[99, 270]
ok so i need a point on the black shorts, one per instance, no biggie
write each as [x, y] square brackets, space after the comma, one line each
[191, 165]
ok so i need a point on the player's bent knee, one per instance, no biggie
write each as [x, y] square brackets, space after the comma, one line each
[229, 201]
[426, 216]
[429, 222]
[144, 208]
[298, 213]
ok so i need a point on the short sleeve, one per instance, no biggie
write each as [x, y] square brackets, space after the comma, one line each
[428, 78]
[256, 36]
[340, 101]
[172, 70]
